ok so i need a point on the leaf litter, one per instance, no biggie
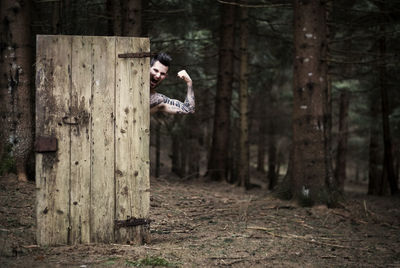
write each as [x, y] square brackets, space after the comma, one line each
[198, 223]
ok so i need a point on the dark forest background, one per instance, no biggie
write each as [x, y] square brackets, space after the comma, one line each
[300, 95]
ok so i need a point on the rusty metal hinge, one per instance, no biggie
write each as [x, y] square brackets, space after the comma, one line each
[130, 222]
[137, 55]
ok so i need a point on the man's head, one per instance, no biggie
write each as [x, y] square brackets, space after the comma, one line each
[158, 69]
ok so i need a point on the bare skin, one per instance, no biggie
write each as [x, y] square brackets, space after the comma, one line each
[162, 103]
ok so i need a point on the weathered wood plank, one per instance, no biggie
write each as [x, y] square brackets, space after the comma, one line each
[103, 184]
[80, 118]
[52, 169]
[132, 139]
[97, 106]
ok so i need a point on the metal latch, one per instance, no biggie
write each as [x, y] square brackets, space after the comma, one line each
[130, 222]
[67, 121]
[137, 55]
[45, 144]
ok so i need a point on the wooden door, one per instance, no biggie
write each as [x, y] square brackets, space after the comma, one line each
[95, 106]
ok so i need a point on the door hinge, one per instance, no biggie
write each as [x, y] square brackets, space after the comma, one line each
[137, 55]
[130, 222]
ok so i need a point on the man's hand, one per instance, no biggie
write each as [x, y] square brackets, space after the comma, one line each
[184, 76]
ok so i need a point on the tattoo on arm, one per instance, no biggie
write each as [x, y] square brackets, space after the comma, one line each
[155, 99]
[190, 100]
[174, 106]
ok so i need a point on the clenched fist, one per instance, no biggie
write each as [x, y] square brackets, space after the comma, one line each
[184, 76]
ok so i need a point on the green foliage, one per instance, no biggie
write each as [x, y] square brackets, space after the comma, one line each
[149, 261]
[7, 164]
[111, 261]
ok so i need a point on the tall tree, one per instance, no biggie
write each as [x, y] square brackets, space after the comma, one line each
[15, 81]
[374, 173]
[342, 140]
[131, 17]
[243, 170]
[383, 84]
[272, 155]
[262, 129]
[125, 17]
[309, 172]
[115, 19]
[218, 162]
[55, 19]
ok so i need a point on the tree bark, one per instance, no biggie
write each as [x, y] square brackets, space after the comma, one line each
[158, 149]
[243, 171]
[374, 172]
[343, 138]
[310, 166]
[114, 8]
[131, 17]
[261, 131]
[218, 162]
[387, 136]
[193, 145]
[16, 61]
[175, 154]
[271, 175]
[56, 20]
[327, 106]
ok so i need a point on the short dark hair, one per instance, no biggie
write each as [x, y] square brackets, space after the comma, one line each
[163, 58]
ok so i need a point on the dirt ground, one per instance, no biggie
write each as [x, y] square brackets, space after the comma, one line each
[208, 224]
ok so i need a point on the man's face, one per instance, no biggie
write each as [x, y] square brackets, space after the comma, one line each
[158, 72]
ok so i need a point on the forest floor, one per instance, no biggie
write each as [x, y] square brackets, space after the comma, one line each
[208, 224]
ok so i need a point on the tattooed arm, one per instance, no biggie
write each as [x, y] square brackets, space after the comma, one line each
[159, 102]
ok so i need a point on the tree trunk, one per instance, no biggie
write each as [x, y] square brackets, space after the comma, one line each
[193, 158]
[260, 151]
[56, 19]
[343, 137]
[387, 136]
[243, 171]
[261, 137]
[194, 130]
[262, 128]
[65, 11]
[114, 10]
[175, 155]
[397, 163]
[272, 178]
[374, 173]
[158, 149]
[131, 17]
[218, 162]
[310, 166]
[183, 155]
[233, 159]
[15, 80]
[327, 106]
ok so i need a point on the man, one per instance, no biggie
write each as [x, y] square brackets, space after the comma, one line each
[158, 102]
